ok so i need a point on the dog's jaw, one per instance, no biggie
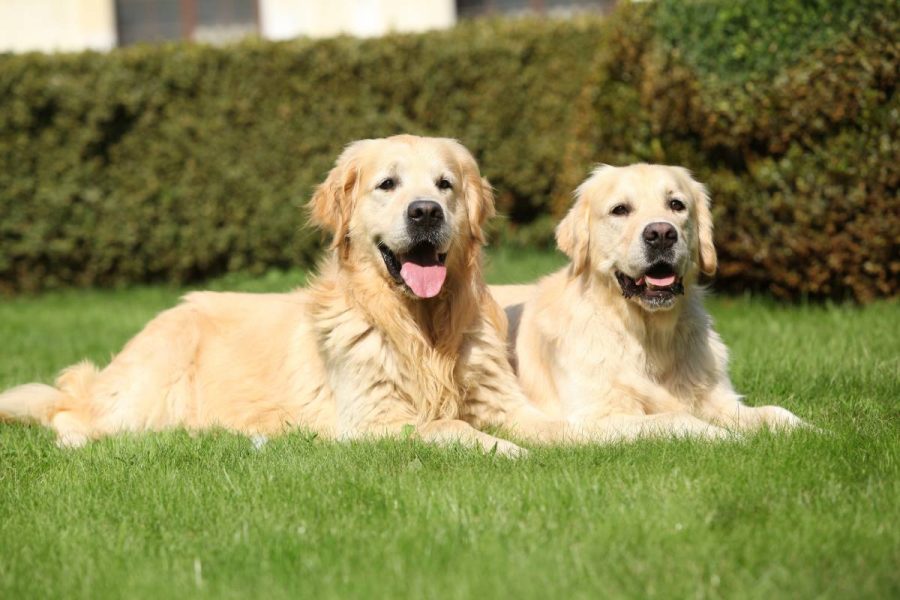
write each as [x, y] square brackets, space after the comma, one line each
[420, 270]
[657, 288]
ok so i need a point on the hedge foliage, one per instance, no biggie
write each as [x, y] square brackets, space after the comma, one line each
[178, 162]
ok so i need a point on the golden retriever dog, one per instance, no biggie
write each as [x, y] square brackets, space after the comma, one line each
[618, 340]
[397, 330]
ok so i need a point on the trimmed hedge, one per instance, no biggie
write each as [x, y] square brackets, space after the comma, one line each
[788, 114]
[178, 162]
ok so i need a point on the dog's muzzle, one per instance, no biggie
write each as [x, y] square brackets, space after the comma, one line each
[421, 268]
[657, 286]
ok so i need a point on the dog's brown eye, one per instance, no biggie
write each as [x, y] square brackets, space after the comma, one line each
[676, 205]
[444, 184]
[621, 210]
[388, 184]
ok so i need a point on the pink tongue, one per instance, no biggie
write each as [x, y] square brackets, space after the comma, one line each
[425, 282]
[660, 281]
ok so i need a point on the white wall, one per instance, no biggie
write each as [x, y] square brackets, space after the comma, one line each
[72, 25]
[49, 25]
[282, 19]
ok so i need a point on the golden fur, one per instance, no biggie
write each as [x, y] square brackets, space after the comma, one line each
[355, 354]
[629, 366]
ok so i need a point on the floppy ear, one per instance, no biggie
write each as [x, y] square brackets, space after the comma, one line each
[708, 260]
[479, 195]
[573, 233]
[332, 202]
[479, 205]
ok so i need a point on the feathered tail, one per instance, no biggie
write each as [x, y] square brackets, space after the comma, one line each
[30, 402]
[40, 402]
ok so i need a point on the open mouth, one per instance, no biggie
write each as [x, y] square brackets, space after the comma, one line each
[659, 284]
[421, 268]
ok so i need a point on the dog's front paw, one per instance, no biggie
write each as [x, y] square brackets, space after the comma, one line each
[71, 440]
[711, 432]
[776, 417]
[507, 449]
[692, 427]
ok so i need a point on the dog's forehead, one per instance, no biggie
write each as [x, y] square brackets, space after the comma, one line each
[633, 183]
[425, 155]
[650, 180]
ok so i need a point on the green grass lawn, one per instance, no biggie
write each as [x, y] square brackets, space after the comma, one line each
[157, 516]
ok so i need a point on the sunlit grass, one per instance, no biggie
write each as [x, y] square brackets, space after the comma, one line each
[170, 515]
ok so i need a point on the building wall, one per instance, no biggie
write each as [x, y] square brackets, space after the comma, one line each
[51, 25]
[284, 19]
[72, 25]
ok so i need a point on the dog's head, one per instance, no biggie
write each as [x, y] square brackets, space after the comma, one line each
[411, 206]
[646, 227]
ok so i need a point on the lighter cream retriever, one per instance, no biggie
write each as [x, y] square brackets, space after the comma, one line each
[396, 330]
[619, 340]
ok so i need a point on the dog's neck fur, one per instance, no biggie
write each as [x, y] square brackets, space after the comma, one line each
[662, 334]
[653, 329]
[424, 335]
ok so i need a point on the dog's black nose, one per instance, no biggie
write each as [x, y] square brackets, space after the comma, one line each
[660, 235]
[425, 213]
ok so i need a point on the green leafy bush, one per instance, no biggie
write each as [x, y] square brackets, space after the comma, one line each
[179, 162]
[796, 135]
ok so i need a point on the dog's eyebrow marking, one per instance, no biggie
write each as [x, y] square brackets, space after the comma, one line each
[390, 172]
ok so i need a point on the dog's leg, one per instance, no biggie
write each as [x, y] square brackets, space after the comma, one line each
[441, 431]
[375, 411]
[743, 417]
[495, 398]
[724, 407]
[504, 404]
[71, 431]
[455, 431]
[632, 407]
[615, 428]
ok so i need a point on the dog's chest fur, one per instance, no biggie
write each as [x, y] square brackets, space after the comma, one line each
[675, 350]
[380, 344]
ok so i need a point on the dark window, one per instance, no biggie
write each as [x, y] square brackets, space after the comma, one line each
[201, 20]
[479, 8]
[149, 21]
[225, 20]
